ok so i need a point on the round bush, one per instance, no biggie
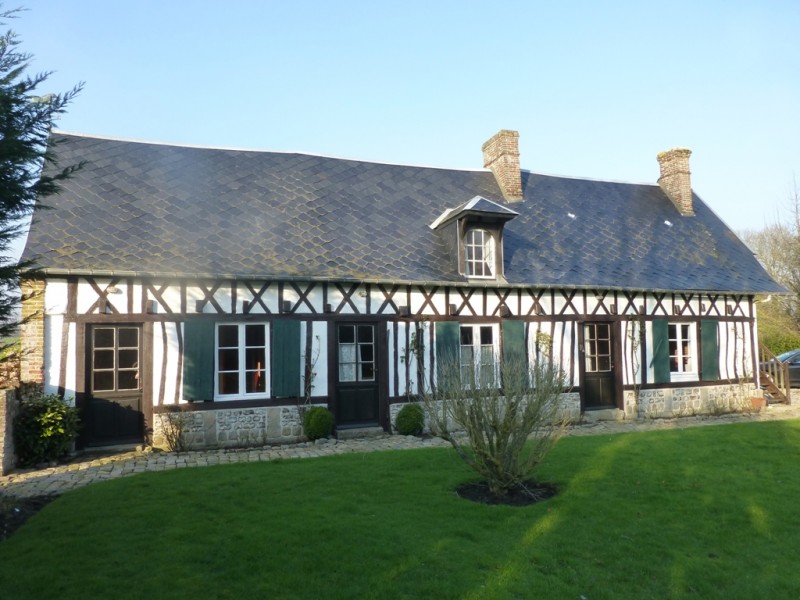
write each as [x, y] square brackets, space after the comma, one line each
[410, 420]
[317, 422]
[44, 429]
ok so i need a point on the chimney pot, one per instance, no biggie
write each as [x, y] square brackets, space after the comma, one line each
[675, 178]
[501, 155]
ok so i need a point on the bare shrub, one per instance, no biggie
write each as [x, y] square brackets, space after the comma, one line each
[174, 425]
[502, 433]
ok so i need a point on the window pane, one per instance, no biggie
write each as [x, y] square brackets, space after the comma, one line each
[128, 380]
[256, 382]
[487, 376]
[255, 359]
[104, 338]
[347, 334]
[466, 336]
[487, 355]
[365, 352]
[486, 335]
[365, 333]
[128, 337]
[103, 381]
[467, 355]
[254, 335]
[228, 336]
[229, 383]
[347, 372]
[603, 347]
[229, 359]
[128, 359]
[347, 353]
[367, 372]
[685, 332]
[103, 359]
[603, 363]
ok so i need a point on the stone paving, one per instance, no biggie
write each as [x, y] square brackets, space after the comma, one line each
[89, 468]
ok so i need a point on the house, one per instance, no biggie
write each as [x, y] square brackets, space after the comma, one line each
[238, 285]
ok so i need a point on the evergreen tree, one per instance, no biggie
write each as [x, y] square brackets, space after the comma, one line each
[28, 168]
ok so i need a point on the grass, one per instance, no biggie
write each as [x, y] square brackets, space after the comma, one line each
[697, 513]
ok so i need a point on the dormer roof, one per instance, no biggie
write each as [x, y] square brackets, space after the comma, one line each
[480, 209]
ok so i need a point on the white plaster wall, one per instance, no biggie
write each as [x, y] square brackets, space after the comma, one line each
[319, 357]
[52, 352]
[165, 342]
[55, 297]
[52, 356]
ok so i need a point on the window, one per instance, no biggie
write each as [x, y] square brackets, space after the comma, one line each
[479, 249]
[477, 354]
[682, 354]
[356, 353]
[115, 359]
[597, 347]
[241, 360]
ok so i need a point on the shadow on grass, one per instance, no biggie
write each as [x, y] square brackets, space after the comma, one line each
[663, 514]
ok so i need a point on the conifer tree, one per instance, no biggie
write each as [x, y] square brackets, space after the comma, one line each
[28, 168]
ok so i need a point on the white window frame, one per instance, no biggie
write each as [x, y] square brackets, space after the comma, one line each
[690, 373]
[476, 352]
[242, 362]
[487, 246]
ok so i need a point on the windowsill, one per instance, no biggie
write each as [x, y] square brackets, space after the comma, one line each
[681, 377]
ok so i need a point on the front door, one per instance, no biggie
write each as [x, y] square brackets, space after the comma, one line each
[356, 375]
[113, 410]
[599, 389]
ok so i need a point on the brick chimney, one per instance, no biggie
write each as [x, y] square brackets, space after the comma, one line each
[675, 178]
[501, 155]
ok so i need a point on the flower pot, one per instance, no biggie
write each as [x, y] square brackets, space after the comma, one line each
[758, 403]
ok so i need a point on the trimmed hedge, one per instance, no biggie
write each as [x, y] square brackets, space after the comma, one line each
[410, 420]
[317, 422]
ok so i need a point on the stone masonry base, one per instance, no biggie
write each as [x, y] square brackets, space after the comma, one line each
[242, 427]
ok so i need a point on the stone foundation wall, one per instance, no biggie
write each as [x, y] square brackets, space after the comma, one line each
[569, 408]
[231, 428]
[689, 401]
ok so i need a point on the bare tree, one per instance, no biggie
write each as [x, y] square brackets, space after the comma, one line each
[777, 246]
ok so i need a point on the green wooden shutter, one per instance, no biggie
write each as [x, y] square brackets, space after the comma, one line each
[198, 360]
[447, 347]
[285, 358]
[514, 355]
[709, 350]
[661, 351]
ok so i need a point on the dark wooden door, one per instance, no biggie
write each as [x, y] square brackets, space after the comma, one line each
[599, 389]
[357, 401]
[113, 410]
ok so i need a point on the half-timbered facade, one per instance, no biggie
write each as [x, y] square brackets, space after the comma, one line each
[239, 286]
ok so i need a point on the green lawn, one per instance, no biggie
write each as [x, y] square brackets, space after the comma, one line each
[710, 512]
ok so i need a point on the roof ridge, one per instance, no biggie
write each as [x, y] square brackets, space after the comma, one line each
[261, 151]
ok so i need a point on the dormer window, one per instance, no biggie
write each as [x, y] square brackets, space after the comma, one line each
[473, 233]
[479, 247]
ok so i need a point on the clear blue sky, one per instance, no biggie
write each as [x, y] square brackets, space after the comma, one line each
[596, 89]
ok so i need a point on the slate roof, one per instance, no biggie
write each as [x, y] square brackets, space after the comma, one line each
[153, 209]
